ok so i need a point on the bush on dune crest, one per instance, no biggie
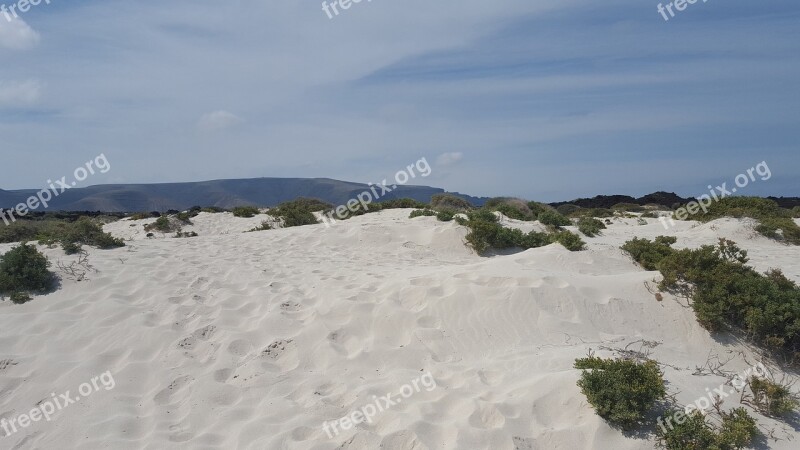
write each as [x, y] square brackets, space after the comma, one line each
[727, 294]
[485, 234]
[450, 201]
[774, 222]
[299, 212]
[245, 211]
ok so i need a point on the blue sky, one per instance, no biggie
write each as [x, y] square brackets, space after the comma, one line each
[543, 100]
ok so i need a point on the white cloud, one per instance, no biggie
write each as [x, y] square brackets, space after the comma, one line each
[15, 94]
[15, 34]
[217, 120]
[449, 159]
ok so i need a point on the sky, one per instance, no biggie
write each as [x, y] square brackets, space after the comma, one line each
[545, 100]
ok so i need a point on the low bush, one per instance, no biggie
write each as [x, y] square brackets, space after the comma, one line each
[143, 216]
[569, 210]
[771, 398]
[538, 208]
[162, 224]
[20, 231]
[422, 213]
[299, 212]
[185, 217]
[796, 212]
[265, 226]
[569, 240]
[450, 201]
[693, 432]
[780, 229]
[621, 391]
[402, 203]
[186, 234]
[245, 211]
[446, 215]
[628, 207]
[24, 269]
[554, 219]
[483, 215]
[649, 253]
[513, 208]
[601, 213]
[84, 231]
[590, 226]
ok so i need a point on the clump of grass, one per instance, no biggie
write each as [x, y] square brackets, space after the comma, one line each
[621, 391]
[422, 213]
[23, 270]
[590, 226]
[245, 211]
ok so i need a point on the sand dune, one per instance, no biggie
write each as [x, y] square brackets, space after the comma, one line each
[235, 340]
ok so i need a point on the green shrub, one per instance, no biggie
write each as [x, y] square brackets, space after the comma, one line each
[71, 248]
[569, 210]
[693, 432]
[402, 203]
[796, 212]
[422, 212]
[590, 226]
[513, 208]
[19, 231]
[780, 228]
[19, 298]
[621, 391]
[771, 398]
[569, 240]
[598, 212]
[162, 224]
[245, 211]
[186, 234]
[445, 215]
[483, 215]
[141, 216]
[538, 208]
[212, 210]
[554, 219]
[185, 217]
[265, 226]
[486, 235]
[83, 231]
[24, 269]
[450, 201]
[628, 207]
[299, 212]
[649, 254]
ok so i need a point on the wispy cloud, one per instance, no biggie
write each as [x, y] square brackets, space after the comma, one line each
[19, 94]
[217, 121]
[15, 34]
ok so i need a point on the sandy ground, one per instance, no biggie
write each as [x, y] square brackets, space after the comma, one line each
[235, 340]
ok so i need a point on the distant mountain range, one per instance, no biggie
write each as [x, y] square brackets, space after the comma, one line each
[263, 192]
[267, 192]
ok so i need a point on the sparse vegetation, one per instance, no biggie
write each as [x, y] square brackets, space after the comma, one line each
[513, 208]
[774, 222]
[401, 203]
[265, 226]
[245, 211]
[590, 226]
[569, 209]
[23, 270]
[771, 398]
[299, 212]
[628, 207]
[422, 213]
[162, 224]
[694, 432]
[450, 201]
[622, 391]
[186, 234]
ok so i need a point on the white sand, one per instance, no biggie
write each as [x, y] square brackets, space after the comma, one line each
[238, 340]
